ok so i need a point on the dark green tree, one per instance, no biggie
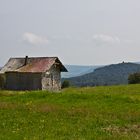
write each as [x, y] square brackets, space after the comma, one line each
[134, 78]
[2, 81]
[65, 84]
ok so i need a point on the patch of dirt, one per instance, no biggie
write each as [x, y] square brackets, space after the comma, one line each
[82, 111]
[128, 129]
[47, 108]
[5, 105]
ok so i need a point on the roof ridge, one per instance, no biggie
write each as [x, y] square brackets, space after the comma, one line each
[34, 57]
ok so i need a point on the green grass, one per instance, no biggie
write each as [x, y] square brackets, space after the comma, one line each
[98, 113]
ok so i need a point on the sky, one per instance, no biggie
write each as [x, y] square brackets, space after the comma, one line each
[79, 32]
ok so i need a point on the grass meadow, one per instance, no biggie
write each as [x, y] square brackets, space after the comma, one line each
[98, 113]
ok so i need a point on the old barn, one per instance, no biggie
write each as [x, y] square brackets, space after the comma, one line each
[34, 73]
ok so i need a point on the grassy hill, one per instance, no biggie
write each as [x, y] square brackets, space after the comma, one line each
[101, 113]
[115, 74]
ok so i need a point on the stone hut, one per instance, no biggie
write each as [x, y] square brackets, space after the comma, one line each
[34, 73]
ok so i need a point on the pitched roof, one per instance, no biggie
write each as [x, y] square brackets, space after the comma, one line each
[34, 64]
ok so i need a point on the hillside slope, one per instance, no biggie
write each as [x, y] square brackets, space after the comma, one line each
[77, 70]
[114, 74]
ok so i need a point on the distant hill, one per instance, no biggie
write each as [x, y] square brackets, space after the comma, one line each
[75, 70]
[114, 74]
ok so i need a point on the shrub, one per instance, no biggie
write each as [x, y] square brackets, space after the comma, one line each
[134, 78]
[65, 84]
[2, 81]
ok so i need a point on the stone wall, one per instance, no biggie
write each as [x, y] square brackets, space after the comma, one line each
[23, 81]
[51, 80]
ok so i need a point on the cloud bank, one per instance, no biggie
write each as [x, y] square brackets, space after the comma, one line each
[34, 39]
[105, 39]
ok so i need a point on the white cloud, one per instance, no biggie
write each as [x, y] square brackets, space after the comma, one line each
[107, 39]
[34, 39]
[128, 41]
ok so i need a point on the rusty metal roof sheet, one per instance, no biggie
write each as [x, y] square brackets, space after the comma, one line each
[34, 64]
[12, 64]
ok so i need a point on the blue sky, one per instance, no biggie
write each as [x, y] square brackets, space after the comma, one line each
[80, 32]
